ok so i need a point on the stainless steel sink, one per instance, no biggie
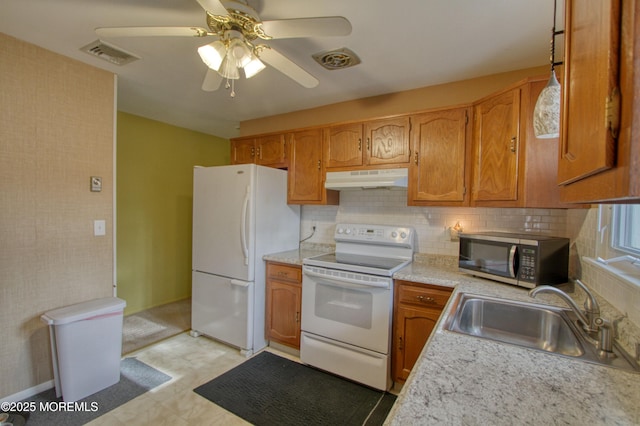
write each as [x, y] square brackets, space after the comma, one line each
[541, 327]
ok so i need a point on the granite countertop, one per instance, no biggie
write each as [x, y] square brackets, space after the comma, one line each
[461, 379]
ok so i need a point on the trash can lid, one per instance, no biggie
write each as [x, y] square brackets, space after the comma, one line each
[84, 310]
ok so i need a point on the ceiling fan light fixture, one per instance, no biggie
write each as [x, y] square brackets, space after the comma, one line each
[212, 54]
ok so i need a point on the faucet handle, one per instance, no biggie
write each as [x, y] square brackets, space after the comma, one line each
[606, 338]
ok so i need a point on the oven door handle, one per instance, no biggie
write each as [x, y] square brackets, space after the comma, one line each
[346, 282]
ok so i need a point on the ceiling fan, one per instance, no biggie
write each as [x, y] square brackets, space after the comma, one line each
[239, 34]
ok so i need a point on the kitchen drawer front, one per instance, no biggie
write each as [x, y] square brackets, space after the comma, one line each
[284, 272]
[427, 297]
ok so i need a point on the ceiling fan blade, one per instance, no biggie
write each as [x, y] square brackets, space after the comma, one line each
[287, 67]
[307, 27]
[211, 81]
[151, 32]
[215, 7]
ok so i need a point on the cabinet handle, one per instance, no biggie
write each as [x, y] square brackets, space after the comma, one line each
[368, 144]
[512, 145]
[258, 153]
[283, 274]
[416, 160]
[253, 152]
[297, 316]
[318, 164]
[359, 144]
[400, 343]
[426, 299]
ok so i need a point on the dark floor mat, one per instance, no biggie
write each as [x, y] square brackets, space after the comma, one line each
[271, 390]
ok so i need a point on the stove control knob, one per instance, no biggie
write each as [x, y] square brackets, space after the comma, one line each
[394, 234]
[340, 230]
[403, 235]
[348, 231]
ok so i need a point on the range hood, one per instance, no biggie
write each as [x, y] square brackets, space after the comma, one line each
[367, 179]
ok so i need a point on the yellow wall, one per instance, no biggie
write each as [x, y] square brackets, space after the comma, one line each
[442, 95]
[56, 131]
[154, 197]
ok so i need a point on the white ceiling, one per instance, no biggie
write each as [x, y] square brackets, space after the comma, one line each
[403, 44]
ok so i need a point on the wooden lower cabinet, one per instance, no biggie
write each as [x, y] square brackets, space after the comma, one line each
[283, 304]
[417, 309]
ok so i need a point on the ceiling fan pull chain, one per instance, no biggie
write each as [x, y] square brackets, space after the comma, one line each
[233, 88]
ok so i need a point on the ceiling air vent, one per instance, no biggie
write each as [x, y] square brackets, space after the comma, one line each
[109, 52]
[337, 59]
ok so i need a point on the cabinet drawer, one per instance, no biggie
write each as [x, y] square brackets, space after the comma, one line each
[284, 272]
[427, 297]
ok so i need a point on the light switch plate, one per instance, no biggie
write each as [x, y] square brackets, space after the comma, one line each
[99, 228]
[96, 184]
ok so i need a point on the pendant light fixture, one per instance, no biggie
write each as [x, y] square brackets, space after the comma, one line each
[546, 114]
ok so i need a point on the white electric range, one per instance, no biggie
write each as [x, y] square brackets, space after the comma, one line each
[347, 302]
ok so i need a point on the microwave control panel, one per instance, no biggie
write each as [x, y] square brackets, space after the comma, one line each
[528, 268]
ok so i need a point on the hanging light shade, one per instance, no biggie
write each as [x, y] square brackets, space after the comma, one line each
[253, 67]
[212, 54]
[546, 114]
[228, 68]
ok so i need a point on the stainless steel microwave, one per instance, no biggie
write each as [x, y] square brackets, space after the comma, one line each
[519, 259]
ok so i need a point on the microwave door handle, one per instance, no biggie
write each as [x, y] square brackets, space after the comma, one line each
[512, 260]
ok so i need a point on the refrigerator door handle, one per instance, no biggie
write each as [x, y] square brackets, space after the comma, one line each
[243, 226]
[240, 283]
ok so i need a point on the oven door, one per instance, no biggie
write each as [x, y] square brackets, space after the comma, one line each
[348, 307]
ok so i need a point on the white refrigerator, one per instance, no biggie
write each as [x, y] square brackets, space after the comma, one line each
[240, 213]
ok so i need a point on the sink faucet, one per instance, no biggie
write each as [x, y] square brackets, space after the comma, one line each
[564, 296]
[590, 319]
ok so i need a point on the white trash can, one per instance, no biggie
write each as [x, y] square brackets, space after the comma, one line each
[86, 346]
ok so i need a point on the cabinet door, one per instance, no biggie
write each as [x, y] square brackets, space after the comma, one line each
[305, 178]
[271, 151]
[496, 136]
[343, 146]
[592, 38]
[283, 312]
[243, 151]
[439, 172]
[387, 141]
[412, 329]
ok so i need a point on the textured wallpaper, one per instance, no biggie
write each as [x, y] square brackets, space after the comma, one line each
[56, 131]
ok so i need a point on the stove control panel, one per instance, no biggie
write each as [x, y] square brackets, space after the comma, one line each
[375, 234]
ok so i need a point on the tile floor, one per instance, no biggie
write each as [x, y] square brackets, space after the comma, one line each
[190, 362]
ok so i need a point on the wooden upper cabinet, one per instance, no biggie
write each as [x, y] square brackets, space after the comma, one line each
[343, 146]
[602, 50]
[592, 40]
[271, 150]
[439, 171]
[387, 141]
[243, 151]
[268, 150]
[496, 137]
[373, 143]
[306, 171]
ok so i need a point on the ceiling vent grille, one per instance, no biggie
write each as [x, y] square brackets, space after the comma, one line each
[337, 59]
[109, 53]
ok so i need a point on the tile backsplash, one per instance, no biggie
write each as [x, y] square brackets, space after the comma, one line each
[389, 207]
